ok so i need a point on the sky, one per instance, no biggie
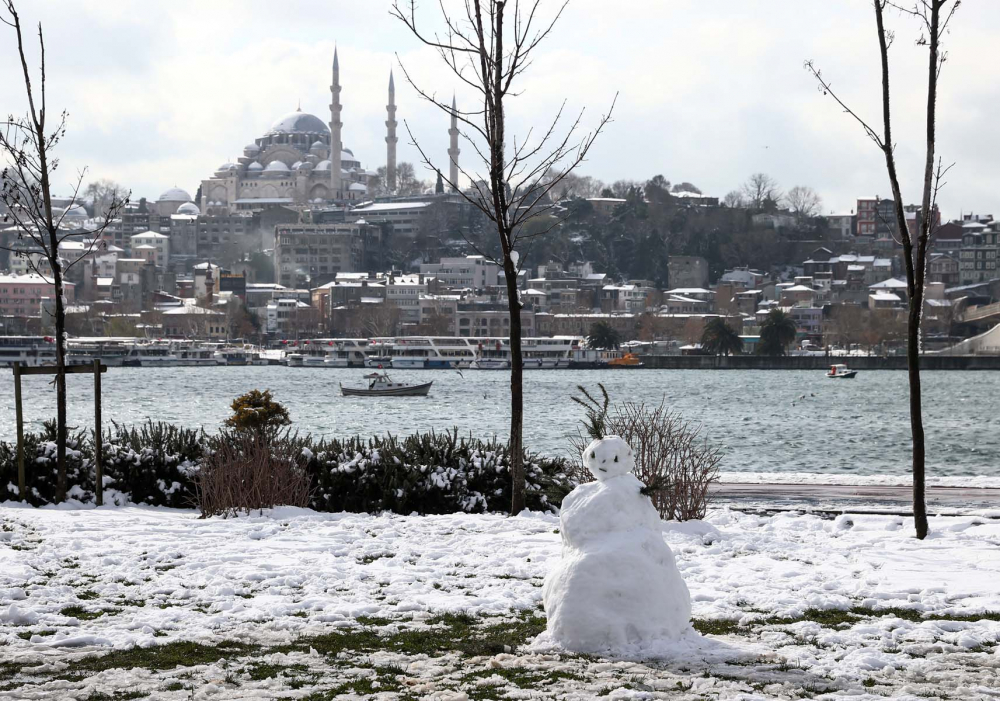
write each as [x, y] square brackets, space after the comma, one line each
[159, 94]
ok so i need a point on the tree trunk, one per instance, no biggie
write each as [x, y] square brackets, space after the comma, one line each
[916, 419]
[60, 381]
[516, 444]
[60, 310]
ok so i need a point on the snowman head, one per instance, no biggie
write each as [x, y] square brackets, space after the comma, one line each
[608, 457]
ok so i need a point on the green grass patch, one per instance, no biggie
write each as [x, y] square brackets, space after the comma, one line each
[9, 670]
[369, 559]
[169, 656]
[522, 677]
[88, 595]
[117, 696]
[270, 670]
[720, 626]
[83, 614]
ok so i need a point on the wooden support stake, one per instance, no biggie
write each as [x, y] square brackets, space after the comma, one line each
[21, 487]
[98, 434]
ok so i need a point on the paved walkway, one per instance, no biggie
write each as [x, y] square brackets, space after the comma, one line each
[881, 498]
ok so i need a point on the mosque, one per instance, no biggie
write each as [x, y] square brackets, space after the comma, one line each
[301, 160]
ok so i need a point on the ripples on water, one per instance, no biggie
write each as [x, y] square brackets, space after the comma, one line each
[767, 421]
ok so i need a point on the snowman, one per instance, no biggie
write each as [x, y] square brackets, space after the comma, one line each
[617, 585]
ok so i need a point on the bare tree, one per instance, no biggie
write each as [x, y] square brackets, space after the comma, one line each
[27, 143]
[934, 16]
[487, 47]
[759, 189]
[734, 199]
[573, 185]
[804, 201]
[377, 320]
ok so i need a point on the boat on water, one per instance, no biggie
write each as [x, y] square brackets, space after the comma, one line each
[536, 353]
[233, 355]
[30, 351]
[431, 353]
[841, 372]
[380, 385]
[194, 353]
[628, 360]
[150, 355]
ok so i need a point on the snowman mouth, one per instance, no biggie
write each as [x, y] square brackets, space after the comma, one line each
[602, 469]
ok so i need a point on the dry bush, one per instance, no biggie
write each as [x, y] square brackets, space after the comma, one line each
[248, 471]
[671, 459]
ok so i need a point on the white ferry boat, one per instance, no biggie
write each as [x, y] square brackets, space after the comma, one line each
[549, 353]
[536, 353]
[432, 352]
[111, 351]
[233, 355]
[31, 351]
[329, 353]
[155, 354]
[379, 353]
[347, 353]
[194, 353]
[491, 355]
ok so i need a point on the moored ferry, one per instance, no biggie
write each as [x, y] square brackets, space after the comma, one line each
[194, 353]
[155, 354]
[536, 353]
[111, 351]
[432, 352]
[233, 355]
[347, 353]
[31, 351]
[378, 354]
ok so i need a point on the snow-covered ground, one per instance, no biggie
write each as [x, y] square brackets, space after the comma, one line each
[317, 606]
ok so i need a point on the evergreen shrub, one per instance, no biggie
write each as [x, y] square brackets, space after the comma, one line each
[432, 473]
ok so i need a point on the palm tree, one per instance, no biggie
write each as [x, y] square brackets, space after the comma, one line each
[776, 333]
[603, 336]
[719, 338]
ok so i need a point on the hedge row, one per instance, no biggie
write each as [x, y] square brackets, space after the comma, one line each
[431, 473]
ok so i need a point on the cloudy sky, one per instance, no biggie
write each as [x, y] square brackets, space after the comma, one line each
[161, 93]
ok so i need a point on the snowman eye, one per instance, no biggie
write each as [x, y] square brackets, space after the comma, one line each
[616, 458]
[593, 455]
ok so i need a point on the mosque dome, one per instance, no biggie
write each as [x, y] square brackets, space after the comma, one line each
[358, 187]
[189, 208]
[317, 146]
[347, 155]
[226, 167]
[76, 212]
[298, 123]
[175, 194]
[276, 167]
[323, 165]
[251, 148]
[255, 167]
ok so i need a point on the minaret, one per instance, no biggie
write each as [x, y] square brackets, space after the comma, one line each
[336, 145]
[453, 149]
[390, 138]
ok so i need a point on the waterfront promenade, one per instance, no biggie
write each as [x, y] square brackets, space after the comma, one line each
[894, 499]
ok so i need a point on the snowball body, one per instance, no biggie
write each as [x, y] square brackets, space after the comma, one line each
[617, 584]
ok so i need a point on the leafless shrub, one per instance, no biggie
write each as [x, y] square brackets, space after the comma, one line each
[675, 463]
[249, 471]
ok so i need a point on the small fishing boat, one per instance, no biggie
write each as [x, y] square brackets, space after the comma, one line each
[379, 385]
[841, 371]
